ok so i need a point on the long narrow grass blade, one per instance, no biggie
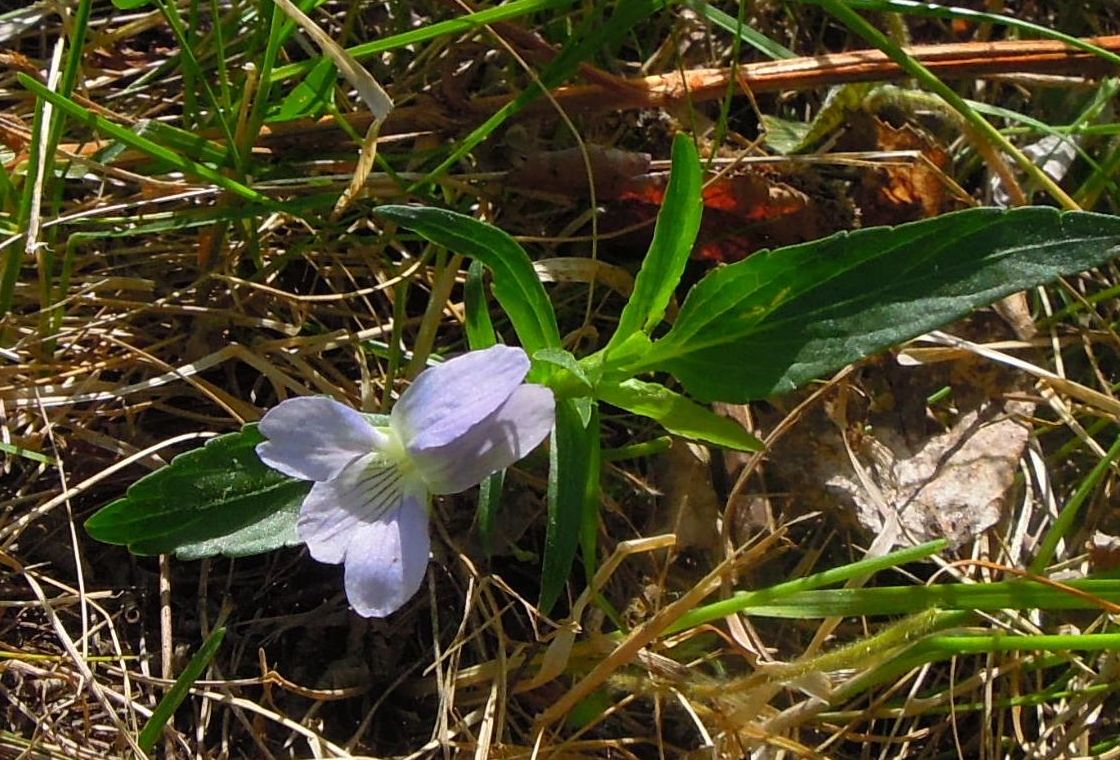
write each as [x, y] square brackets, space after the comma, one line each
[178, 692]
[461, 25]
[752, 37]
[1067, 517]
[625, 15]
[144, 145]
[897, 600]
[933, 10]
[832, 577]
[374, 95]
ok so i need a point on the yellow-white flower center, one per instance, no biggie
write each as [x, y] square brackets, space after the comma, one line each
[391, 447]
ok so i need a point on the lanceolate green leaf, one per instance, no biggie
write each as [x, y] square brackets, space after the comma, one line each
[272, 531]
[216, 499]
[678, 414]
[677, 225]
[781, 318]
[561, 372]
[515, 284]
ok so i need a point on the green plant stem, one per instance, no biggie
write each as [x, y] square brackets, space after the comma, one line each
[1026, 700]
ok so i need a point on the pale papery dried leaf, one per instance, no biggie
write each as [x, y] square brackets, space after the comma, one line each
[953, 486]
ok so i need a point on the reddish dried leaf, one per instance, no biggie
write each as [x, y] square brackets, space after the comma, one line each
[743, 213]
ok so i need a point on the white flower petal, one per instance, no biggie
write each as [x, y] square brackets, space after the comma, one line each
[364, 493]
[447, 400]
[507, 435]
[314, 437]
[386, 561]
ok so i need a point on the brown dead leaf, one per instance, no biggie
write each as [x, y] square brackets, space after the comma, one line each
[691, 508]
[565, 171]
[1104, 551]
[898, 192]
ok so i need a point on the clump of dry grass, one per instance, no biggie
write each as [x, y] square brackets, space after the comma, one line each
[153, 310]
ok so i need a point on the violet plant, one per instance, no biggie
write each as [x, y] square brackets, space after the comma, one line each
[458, 423]
[355, 487]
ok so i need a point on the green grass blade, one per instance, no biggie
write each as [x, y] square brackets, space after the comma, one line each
[13, 261]
[146, 146]
[179, 690]
[583, 45]
[953, 645]
[1064, 524]
[69, 76]
[18, 451]
[188, 144]
[933, 10]
[7, 190]
[752, 37]
[193, 74]
[279, 27]
[460, 25]
[73, 63]
[900, 600]
[943, 647]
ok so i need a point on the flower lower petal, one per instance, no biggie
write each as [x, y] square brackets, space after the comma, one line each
[364, 493]
[448, 399]
[512, 431]
[314, 437]
[386, 561]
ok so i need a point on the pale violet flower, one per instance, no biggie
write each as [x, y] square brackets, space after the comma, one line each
[456, 424]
